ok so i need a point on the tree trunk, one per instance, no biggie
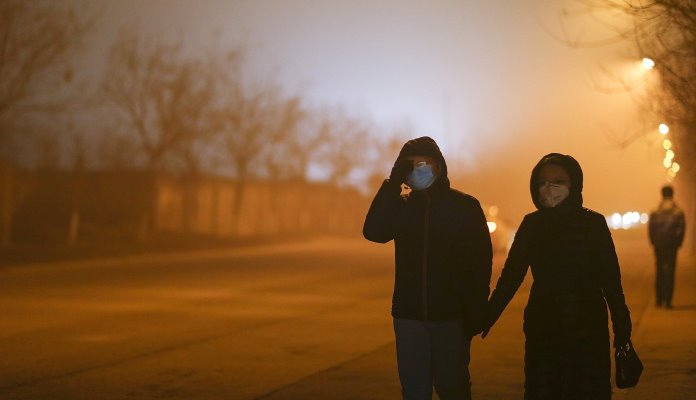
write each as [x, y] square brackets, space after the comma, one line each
[239, 189]
[6, 206]
[74, 228]
[190, 189]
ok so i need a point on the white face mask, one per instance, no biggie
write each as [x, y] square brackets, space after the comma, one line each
[552, 194]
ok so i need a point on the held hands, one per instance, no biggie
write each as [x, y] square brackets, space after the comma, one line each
[399, 172]
[481, 326]
[621, 340]
[488, 322]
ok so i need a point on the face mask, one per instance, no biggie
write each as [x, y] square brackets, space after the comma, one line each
[421, 177]
[552, 194]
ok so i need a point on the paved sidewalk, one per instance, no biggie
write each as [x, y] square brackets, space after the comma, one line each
[666, 342]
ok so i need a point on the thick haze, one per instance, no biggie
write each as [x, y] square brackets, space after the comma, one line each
[483, 78]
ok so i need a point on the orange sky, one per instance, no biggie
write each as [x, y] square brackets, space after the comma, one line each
[483, 78]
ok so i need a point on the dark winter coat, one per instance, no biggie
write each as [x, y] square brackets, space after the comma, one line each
[576, 275]
[666, 226]
[442, 246]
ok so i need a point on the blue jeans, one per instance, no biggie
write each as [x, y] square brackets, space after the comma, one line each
[432, 354]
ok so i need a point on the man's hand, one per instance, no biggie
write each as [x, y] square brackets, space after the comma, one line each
[399, 173]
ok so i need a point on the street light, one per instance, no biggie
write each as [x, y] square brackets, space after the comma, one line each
[667, 144]
[648, 63]
[663, 128]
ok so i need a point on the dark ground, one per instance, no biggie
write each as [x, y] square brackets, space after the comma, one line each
[28, 252]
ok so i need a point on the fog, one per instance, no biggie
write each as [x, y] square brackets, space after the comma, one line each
[485, 79]
[497, 85]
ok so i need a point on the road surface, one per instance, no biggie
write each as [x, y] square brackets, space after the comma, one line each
[297, 321]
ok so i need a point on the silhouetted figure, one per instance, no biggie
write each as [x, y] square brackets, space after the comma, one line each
[576, 275]
[443, 270]
[666, 230]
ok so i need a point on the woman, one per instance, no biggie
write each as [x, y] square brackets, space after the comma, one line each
[576, 275]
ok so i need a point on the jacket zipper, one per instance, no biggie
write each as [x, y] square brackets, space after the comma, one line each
[425, 256]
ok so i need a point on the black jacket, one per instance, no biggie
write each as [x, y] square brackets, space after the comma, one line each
[666, 226]
[576, 275]
[442, 246]
[574, 266]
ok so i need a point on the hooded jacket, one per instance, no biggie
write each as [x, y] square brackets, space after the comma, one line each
[666, 226]
[443, 251]
[576, 275]
[574, 266]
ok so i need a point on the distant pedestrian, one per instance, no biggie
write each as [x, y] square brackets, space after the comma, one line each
[443, 271]
[666, 229]
[576, 275]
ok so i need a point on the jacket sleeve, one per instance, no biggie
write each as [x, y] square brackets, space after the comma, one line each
[610, 278]
[480, 260]
[380, 222]
[514, 271]
[681, 228]
[651, 228]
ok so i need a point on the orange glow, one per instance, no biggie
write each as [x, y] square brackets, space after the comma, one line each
[493, 211]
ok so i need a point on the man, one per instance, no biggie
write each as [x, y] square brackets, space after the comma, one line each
[666, 229]
[443, 270]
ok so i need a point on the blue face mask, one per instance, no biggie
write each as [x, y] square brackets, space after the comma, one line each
[421, 177]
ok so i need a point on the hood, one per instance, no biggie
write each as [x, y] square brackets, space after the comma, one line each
[573, 169]
[426, 146]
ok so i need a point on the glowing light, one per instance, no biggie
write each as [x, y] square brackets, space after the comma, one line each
[628, 220]
[616, 219]
[663, 128]
[493, 211]
[669, 154]
[492, 226]
[675, 167]
[667, 144]
[667, 162]
[648, 63]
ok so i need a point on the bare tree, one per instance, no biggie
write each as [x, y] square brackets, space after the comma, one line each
[279, 154]
[300, 135]
[167, 101]
[348, 146]
[162, 97]
[37, 40]
[115, 150]
[246, 125]
[664, 31]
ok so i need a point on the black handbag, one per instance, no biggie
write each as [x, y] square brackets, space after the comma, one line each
[628, 366]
